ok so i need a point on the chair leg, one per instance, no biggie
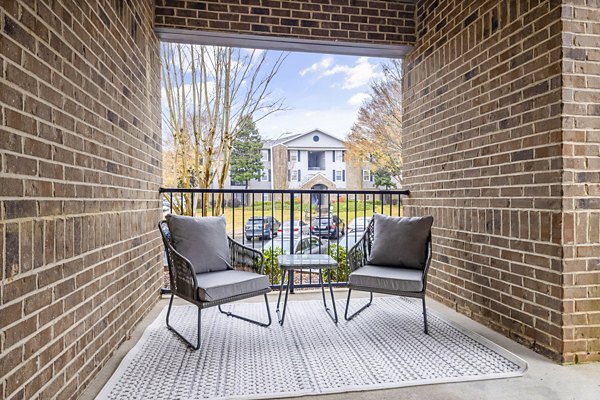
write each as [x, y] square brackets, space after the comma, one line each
[348, 318]
[425, 315]
[194, 347]
[230, 314]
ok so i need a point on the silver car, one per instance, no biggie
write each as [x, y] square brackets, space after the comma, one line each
[300, 228]
[306, 245]
[359, 224]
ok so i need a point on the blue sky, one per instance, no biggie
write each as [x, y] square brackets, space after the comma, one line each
[321, 91]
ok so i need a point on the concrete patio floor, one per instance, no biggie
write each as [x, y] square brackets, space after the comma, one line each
[543, 379]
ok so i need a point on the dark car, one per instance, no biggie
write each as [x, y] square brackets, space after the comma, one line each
[263, 227]
[330, 226]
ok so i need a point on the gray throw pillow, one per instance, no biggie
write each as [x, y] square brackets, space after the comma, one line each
[399, 241]
[202, 240]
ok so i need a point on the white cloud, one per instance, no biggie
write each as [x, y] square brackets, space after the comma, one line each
[354, 76]
[324, 63]
[358, 98]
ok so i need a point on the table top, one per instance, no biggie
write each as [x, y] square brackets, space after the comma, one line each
[306, 261]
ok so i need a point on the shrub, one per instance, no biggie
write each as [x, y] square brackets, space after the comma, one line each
[339, 254]
[272, 269]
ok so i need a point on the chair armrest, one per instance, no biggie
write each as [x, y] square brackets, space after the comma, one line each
[183, 277]
[357, 255]
[181, 272]
[245, 257]
[427, 261]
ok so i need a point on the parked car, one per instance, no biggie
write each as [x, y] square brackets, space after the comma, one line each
[300, 228]
[359, 224]
[330, 226]
[306, 245]
[263, 227]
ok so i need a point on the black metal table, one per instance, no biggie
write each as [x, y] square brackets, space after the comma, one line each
[297, 262]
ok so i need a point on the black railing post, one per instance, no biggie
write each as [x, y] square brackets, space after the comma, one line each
[291, 238]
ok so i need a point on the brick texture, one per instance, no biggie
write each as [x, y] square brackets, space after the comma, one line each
[367, 21]
[483, 154]
[80, 159]
[581, 180]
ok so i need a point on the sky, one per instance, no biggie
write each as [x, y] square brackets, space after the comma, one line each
[320, 92]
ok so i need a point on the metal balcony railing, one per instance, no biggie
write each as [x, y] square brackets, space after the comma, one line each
[326, 221]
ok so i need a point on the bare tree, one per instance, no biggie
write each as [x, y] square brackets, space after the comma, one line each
[208, 92]
[376, 132]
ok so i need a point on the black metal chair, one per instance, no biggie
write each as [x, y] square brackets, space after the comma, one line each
[188, 285]
[409, 282]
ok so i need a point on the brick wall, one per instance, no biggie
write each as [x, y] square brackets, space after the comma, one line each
[581, 180]
[80, 156]
[483, 154]
[383, 22]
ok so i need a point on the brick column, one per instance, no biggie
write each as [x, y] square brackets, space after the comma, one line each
[80, 157]
[581, 180]
[483, 154]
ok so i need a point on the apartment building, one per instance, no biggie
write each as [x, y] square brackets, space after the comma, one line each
[310, 160]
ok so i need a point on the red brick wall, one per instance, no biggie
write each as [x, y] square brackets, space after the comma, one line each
[482, 154]
[80, 157]
[384, 22]
[581, 180]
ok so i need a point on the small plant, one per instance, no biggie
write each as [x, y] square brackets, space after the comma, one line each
[272, 269]
[339, 254]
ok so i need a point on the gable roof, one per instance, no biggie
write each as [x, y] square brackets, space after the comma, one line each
[298, 136]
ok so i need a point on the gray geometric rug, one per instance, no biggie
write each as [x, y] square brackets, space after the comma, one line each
[384, 347]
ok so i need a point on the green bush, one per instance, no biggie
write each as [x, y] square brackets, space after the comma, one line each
[339, 254]
[272, 269]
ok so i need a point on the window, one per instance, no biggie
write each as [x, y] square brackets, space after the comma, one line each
[338, 156]
[265, 155]
[339, 176]
[316, 138]
[266, 176]
[294, 175]
[366, 175]
[293, 155]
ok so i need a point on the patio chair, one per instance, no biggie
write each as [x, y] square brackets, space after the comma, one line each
[208, 268]
[392, 257]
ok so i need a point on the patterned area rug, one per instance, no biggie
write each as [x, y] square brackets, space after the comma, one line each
[384, 347]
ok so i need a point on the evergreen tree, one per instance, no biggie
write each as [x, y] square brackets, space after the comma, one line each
[246, 163]
[382, 178]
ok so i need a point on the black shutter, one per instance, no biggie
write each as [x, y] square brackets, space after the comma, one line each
[299, 176]
[289, 175]
[269, 155]
[269, 175]
[298, 157]
[334, 175]
[333, 155]
[289, 155]
[344, 175]
[343, 155]
[371, 176]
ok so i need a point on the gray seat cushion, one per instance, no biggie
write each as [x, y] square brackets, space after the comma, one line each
[219, 285]
[202, 240]
[399, 241]
[386, 278]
